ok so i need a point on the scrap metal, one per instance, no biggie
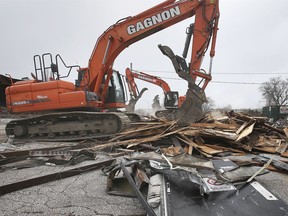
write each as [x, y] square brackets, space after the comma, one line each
[4, 189]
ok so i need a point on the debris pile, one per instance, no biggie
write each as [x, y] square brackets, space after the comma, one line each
[230, 134]
[165, 161]
[157, 155]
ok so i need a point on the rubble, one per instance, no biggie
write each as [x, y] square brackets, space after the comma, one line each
[190, 153]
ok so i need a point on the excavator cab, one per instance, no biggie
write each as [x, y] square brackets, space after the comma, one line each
[171, 100]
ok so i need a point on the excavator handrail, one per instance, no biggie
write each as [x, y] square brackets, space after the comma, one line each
[58, 56]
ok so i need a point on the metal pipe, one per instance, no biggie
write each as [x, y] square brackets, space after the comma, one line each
[4, 189]
[210, 65]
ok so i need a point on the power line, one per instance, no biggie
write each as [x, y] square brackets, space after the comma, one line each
[227, 73]
[244, 83]
[223, 82]
[214, 81]
[250, 73]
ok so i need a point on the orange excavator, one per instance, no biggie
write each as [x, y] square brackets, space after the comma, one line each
[172, 100]
[70, 110]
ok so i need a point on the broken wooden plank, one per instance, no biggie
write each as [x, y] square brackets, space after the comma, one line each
[141, 131]
[248, 130]
[218, 133]
[214, 125]
[207, 151]
[282, 147]
[266, 149]
[284, 154]
[225, 149]
[286, 131]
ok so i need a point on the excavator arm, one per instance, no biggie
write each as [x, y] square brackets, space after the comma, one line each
[132, 29]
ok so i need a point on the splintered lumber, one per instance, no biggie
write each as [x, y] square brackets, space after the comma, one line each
[224, 149]
[202, 148]
[218, 134]
[233, 132]
[157, 137]
[284, 154]
[286, 131]
[214, 125]
[230, 132]
[134, 142]
[144, 130]
[248, 130]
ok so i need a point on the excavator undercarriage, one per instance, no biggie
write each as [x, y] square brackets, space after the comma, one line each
[68, 126]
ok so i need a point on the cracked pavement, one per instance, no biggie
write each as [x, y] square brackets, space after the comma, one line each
[84, 194]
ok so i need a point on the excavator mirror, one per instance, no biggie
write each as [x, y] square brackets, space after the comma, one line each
[171, 100]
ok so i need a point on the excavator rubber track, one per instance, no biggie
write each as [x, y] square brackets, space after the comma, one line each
[68, 126]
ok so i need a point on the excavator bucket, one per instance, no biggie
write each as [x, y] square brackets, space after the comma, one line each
[132, 102]
[191, 109]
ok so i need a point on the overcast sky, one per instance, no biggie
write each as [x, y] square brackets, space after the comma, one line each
[251, 46]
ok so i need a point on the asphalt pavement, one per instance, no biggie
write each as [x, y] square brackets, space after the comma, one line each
[84, 194]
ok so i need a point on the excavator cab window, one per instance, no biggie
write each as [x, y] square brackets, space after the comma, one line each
[116, 92]
[171, 100]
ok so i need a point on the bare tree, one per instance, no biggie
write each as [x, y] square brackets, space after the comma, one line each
[208, 106]
[275, 91]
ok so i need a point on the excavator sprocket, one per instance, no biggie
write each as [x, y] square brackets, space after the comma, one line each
[68, 126]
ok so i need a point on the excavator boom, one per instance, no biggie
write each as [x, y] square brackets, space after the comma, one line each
[131, 75]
